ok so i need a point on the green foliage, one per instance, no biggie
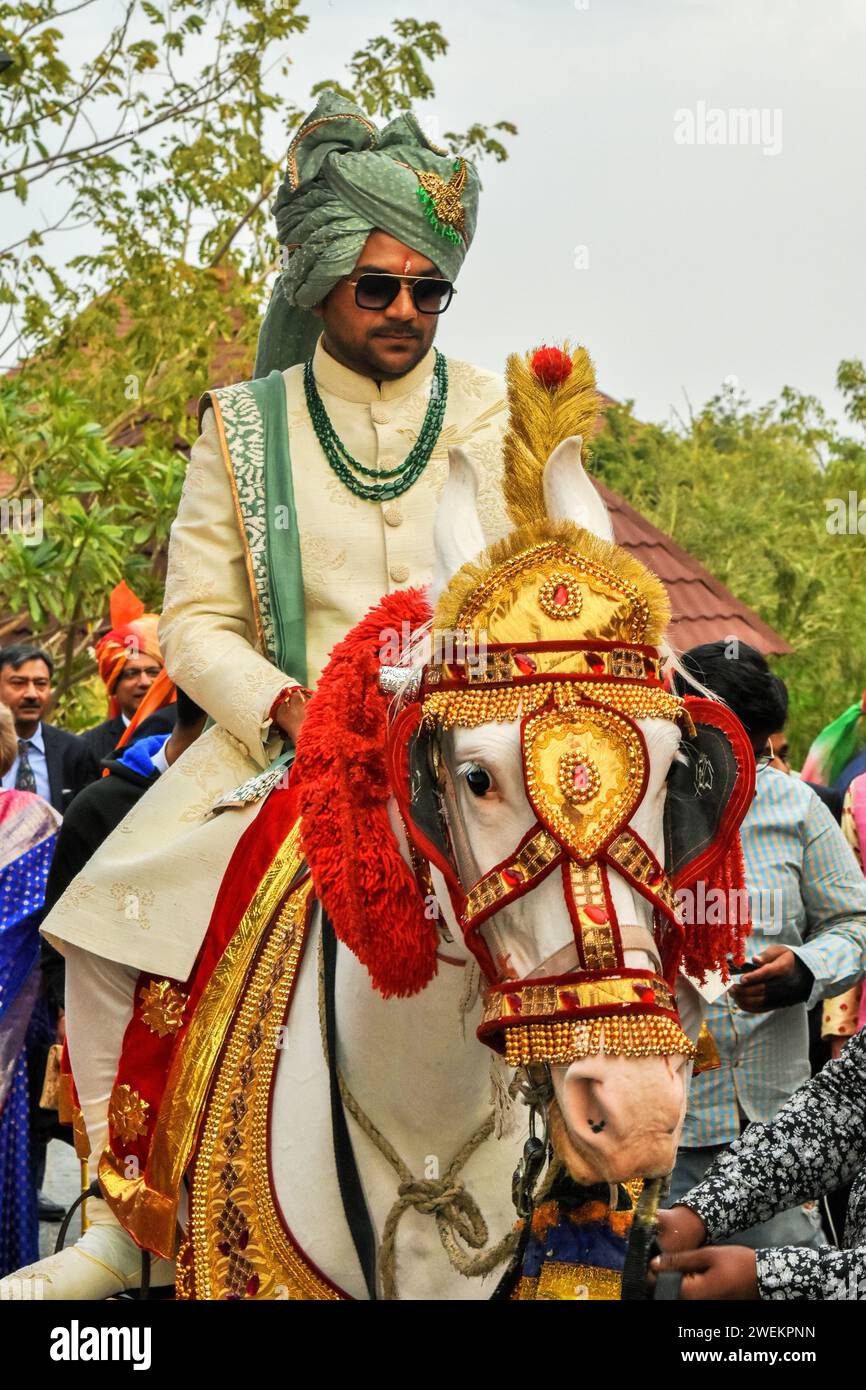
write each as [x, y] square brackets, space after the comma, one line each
[747, 492]
[94, 497]
[158, 148]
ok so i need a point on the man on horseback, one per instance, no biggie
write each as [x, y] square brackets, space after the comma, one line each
[310, 492]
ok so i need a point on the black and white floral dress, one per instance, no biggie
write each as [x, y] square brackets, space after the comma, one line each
[816, 1142]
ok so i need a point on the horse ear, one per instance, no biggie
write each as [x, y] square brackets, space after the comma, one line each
[569, 493]
[457, 533]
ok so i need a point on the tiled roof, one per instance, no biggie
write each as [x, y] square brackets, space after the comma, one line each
[703, 609]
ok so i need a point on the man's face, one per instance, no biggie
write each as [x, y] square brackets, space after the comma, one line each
[136, 678]
[26, 692]
[779, 747]
[379, 343]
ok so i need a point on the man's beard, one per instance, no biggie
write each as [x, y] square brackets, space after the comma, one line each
[414, 341]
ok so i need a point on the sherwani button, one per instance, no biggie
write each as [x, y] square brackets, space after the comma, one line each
[392, 514]
[399, 573]
[379, 415]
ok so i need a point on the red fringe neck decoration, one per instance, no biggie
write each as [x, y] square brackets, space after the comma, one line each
[708, 945]
[716, 878]
[340, 779]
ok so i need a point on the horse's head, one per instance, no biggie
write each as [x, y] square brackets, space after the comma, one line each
[538, 748]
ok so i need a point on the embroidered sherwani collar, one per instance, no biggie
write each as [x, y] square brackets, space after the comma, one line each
[340, 381]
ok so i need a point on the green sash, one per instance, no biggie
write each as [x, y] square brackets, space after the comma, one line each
[284, 576]
[255, 426]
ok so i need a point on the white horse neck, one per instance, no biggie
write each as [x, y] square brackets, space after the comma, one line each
[423, 1084]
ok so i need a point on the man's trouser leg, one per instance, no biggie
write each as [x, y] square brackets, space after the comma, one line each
[100, 995]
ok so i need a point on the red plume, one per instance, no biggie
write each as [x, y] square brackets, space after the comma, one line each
[551, 365]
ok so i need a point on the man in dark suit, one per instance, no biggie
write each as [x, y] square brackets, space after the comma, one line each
[128, 690]
[51, 762]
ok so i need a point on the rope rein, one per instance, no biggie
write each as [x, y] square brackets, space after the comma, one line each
[455, 1211]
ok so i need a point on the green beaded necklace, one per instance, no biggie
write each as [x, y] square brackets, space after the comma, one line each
[396, 480]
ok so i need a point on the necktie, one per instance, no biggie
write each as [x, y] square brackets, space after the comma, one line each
[25, 780]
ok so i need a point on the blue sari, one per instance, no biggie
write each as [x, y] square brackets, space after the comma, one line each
[28, 827]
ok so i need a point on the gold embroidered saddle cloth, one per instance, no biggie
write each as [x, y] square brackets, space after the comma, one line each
[194, 1079]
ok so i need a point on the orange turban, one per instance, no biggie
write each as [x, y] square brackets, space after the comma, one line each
[133, 633]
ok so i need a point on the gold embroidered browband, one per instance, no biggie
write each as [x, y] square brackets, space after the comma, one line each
[573, 1016]
[470, 702]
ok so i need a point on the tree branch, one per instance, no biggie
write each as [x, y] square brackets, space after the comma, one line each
[250, 212]
[72, 155]
[105, 59]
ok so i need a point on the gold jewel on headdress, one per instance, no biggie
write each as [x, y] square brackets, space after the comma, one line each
[509, 591]
[441, 201]
[560, 597]
[579, 777]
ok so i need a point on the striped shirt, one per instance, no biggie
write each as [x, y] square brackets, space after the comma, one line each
[808, 893]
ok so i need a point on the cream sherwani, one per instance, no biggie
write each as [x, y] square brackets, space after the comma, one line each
[146, 897]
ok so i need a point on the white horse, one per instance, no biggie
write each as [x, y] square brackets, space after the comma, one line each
[622, 1115]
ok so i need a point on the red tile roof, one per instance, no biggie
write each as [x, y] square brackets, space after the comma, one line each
[703, 609]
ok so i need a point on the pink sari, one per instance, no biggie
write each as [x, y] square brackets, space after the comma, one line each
[858, 811]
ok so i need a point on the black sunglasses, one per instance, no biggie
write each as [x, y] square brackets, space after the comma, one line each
[377, 291]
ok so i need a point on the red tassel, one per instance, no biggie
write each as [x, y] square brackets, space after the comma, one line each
[341, 781]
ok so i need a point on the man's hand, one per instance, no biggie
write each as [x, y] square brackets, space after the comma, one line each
[716, 1272]
[680, 1228]
[289, 716]
[780, 980]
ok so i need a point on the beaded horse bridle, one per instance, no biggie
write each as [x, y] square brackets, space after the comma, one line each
[578, 697]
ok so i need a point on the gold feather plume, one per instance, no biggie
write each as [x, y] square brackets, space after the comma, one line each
[540, 418]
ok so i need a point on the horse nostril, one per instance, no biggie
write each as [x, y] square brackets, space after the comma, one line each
[596, 1127]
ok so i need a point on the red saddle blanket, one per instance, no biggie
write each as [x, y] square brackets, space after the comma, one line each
[177, 1030]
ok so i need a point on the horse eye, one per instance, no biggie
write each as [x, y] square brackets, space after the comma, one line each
[478, 781]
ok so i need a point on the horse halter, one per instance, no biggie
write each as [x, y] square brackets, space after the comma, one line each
[578, 695]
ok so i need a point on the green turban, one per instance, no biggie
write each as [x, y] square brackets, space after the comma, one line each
[345, 178]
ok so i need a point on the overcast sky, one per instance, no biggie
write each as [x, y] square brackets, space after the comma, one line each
[677, 264]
